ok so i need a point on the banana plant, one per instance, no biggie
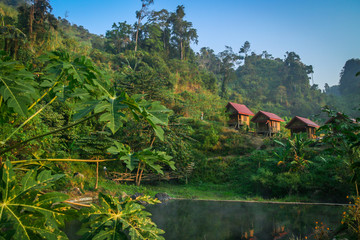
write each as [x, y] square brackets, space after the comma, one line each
[119, 219]
[26, 210]
[293, 152]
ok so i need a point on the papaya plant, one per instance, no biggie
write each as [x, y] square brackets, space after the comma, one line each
[27, 211]
[119, 219]
[93, 96]
[17, 87]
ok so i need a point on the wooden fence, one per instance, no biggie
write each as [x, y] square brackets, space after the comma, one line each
[130, 177]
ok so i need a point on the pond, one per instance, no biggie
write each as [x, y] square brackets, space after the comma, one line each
[225, 220]
[188, 219]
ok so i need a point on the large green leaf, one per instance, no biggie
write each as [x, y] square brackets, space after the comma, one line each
[26, 212]
[16, 87]
[74, 78]
[112, 218]
[155, 159]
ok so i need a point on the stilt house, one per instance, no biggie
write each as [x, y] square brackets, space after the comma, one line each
[300, 124]
[239, 115]
[267, 123]
[339, 118]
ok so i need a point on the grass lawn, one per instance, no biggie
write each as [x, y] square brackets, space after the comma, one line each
[205, 191]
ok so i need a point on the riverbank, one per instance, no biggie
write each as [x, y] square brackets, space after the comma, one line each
[202, 191]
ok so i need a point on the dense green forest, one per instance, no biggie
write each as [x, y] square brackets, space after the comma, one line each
[132, 101]
[154, 56]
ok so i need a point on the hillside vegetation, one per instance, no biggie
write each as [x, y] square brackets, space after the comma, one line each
[74, 103]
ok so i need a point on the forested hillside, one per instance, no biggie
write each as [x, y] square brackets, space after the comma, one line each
[346, 95]
[153, 56]
[81, 109]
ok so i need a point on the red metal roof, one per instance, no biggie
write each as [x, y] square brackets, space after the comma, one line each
[307, 122]
[241, 109]
[271, 116]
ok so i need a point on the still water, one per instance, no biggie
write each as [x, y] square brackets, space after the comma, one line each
[217, 220]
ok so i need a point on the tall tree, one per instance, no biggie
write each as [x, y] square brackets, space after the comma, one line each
[297, 73]
[161, 19]
[140, 15]
[35, 18]
[207, 59]
[245, 48]
[183, 32]
[228, 61]
[118, 38]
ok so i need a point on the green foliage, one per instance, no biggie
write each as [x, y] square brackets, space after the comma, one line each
[26, 212]
[142, 159]
[16, 87]
[148, 158]
[113, 218]
[294, 152]
[342, 138]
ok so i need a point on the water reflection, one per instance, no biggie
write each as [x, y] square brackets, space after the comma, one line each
[185, 219]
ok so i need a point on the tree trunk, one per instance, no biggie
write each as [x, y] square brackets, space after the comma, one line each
[16, 47]
[184, 51]
[357, 189]
[181, 50]
[6, 45]
[137, 32]
[31, 20]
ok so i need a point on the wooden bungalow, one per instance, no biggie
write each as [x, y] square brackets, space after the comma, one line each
[267, 123]
[239, 115]
[339, 118]
[300, 124]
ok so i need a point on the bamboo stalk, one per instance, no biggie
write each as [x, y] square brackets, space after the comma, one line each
[64, 160]
[77, 204]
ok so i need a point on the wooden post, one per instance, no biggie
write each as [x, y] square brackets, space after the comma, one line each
[97, 174]
[140, 176]
[137, 174]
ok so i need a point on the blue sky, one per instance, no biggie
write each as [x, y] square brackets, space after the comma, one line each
[325, 33]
